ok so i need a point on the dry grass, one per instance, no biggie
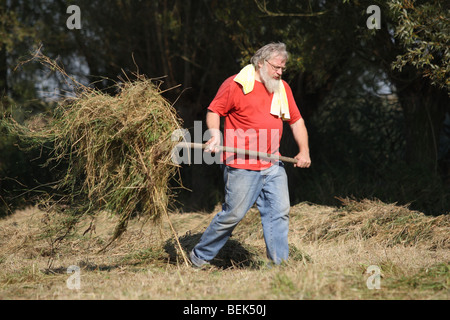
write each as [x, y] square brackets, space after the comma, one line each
[410, 249]
[383, 224]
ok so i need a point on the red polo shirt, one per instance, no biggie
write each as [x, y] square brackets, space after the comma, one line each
[248, 122]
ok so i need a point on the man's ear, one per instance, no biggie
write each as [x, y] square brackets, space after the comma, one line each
[260, 64]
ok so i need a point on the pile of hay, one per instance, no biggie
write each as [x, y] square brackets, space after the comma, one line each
[117, 150]
[375, 221]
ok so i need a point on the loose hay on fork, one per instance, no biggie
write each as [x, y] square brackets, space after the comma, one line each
[117, 149]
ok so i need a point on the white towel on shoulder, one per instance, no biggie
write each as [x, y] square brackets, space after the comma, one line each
[280, 104]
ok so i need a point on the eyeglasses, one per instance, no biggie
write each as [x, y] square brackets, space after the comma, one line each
[276, 68]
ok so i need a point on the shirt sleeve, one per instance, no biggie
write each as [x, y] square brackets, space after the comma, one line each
[293, 108]
[222, 102]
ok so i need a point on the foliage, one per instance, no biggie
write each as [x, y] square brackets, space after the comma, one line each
[13, 31]
[335, 71]
[424, 30]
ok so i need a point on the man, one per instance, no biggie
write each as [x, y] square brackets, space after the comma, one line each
[254, 103]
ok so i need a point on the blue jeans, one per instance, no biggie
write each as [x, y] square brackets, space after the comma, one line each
[269, 189]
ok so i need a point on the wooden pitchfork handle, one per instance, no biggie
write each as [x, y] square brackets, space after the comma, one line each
[250, 153]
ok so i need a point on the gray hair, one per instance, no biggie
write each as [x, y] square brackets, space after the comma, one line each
[269, 51]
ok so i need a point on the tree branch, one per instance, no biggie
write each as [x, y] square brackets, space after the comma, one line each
[263, 8]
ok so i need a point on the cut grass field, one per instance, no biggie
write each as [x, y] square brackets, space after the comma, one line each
[331, 250]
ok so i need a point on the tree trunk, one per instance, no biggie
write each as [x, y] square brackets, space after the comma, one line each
[186, 44]
[3, 72]
[424, 108]
[3, 60]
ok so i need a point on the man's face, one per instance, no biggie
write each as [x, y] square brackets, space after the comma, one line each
[270, 72]
[275, 67]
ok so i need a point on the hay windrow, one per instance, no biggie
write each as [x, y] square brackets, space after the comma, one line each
[375, 221]
[116, 150]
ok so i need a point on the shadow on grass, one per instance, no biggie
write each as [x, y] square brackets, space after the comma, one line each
[85, 266]
[233, 255]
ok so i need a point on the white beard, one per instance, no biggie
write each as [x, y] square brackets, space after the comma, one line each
[272, 85]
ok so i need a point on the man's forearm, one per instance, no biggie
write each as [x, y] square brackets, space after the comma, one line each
[212, 121]
[300, 134]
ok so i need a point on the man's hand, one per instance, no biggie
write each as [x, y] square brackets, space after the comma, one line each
[303, 160]
[214, 142]
[213, 123]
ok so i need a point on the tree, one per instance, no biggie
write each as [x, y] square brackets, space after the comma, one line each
[424, 31]
[324, 35]
[192, 46]
[15, 34]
